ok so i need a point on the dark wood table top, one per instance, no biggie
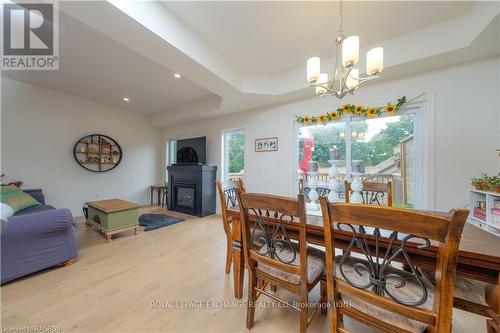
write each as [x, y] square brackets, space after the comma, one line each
[474, 240]
[477, 247]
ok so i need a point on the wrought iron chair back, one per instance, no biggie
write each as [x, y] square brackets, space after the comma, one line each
[383, 236]
[263, 219]
[373, 193]
[305, 189]
[322, 191]
[228, 194]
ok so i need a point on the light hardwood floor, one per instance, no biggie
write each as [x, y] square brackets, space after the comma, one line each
[111, 287]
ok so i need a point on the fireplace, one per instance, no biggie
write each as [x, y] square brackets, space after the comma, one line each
[192, 189]
[185, 198]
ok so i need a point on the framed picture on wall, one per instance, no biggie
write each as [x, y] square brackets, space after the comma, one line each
[266, 144]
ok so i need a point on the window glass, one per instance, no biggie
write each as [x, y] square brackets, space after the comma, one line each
[380, 149]
[321, 145]
[234, 154]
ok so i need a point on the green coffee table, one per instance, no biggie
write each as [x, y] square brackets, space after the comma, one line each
[112, 216]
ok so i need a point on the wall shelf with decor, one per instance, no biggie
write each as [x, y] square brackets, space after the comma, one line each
[485, 210]
[97, 153]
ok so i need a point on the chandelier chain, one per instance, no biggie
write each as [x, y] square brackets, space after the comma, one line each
[341, 12]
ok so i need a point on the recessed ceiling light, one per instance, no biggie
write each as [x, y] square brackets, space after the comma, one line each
[125, 99]
[177, 75]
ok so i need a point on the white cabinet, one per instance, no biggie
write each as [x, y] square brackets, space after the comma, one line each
[487, 224]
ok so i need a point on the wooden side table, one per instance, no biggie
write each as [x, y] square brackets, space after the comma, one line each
[112, 216]
[160, 189]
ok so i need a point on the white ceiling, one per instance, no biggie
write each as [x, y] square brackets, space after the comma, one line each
[236, 56]
[269, 38]
[98, 68]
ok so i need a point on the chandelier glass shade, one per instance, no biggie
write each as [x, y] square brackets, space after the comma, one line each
[345, 78]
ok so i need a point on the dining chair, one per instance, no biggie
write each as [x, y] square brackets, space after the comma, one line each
[279, 260]
[321, 189]
[228, 193]
[471, 296]
[370, 287]
[373, 193]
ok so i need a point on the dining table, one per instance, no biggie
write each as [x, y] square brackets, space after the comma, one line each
[478, 255]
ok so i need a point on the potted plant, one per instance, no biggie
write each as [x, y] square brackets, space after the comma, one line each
[480, 183]
[494, 183]
[484, 182]
[477, 183]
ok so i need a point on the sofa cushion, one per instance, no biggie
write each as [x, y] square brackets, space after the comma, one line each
[6, 211]
[34, 209]
[33, 242]
[16, 198]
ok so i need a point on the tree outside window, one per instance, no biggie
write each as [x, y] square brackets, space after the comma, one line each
[236, 159]
[234, 154]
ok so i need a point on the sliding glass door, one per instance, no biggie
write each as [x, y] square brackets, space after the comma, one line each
[380, 149]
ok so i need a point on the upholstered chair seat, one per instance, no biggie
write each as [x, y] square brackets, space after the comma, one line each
[411, 291]
[467, 289]
[315, 264]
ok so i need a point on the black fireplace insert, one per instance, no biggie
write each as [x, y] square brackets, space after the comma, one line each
[185, 198]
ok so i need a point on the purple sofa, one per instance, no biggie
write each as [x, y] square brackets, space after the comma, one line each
[36, 238]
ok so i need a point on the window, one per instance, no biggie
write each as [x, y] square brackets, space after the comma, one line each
[171, 155]
[172, 152]
[233, 157]
[381, 149]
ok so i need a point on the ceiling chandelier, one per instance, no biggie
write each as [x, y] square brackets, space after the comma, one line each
[345, 78]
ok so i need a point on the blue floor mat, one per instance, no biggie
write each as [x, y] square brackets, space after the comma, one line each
[156, 221]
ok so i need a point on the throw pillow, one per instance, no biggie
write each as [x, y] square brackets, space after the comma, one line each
[5, 211]
[16, 198]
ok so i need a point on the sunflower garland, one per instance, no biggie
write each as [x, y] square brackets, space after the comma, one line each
[356, 110]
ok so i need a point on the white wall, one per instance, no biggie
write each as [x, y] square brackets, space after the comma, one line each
[40, 126]
[463, 100]
[39, 129]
